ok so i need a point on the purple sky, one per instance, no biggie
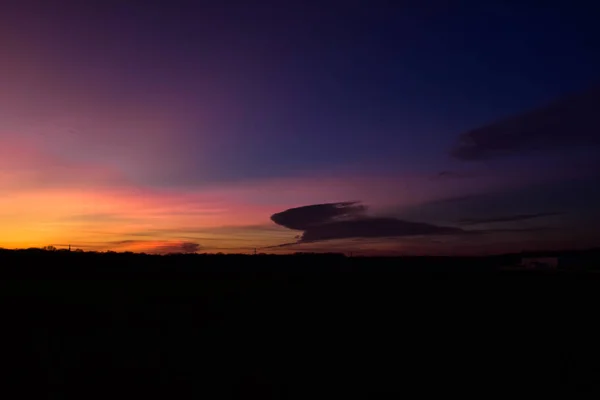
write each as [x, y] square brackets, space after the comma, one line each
[172, 126]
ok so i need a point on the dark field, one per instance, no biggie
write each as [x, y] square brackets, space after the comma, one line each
[116, 325]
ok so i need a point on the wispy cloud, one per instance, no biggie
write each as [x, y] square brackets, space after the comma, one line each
[154, 246]
[449, 175]
[568, 122]
[507, 218]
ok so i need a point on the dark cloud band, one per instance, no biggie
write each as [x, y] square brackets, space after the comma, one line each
[571, 121]
[347, 220]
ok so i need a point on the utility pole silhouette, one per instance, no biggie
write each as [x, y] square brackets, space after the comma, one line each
[255, 251]
[69, 247]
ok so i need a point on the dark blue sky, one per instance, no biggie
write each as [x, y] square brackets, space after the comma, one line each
[394, 85]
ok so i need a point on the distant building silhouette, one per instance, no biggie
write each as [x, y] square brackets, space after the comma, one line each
[539, 262]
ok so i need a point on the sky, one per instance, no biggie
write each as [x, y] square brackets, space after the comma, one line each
[376, 127]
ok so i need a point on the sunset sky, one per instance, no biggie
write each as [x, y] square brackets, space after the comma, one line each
[408, 127]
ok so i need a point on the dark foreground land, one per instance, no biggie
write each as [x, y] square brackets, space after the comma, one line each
[88, 325]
